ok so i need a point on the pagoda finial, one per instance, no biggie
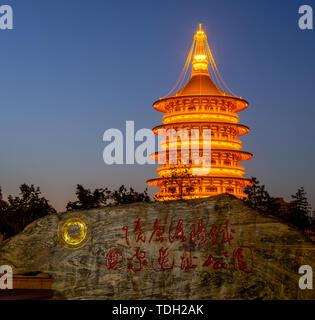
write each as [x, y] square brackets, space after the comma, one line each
[200, 60]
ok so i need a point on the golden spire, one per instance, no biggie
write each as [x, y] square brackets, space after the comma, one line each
[200, 60]
[200, 57]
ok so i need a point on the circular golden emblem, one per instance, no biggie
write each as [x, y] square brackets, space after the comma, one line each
[74, 231]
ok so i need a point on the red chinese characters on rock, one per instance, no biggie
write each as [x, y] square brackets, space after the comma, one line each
[222, 235]
[125, 228]
[218, 264]
[157, 232]
[139, 232]
[139, 259]
[243, 259]
[224, 232]
[163, 261]
[187, 262]
[198, 233]
[178, 234]
[115, 259]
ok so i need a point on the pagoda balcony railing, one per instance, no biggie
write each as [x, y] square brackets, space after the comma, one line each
[217, 128]
[195, 194]
[226, 117]
[188, 103]
[196, 144]
[177, 171]
[205, 106]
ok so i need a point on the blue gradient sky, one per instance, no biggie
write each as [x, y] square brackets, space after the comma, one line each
[72, 69]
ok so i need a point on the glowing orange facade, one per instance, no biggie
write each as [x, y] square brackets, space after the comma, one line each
[200, 104]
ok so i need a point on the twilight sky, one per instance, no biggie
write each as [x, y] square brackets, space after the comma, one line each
[72, 69]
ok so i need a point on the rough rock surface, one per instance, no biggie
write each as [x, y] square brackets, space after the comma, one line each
[91, 272]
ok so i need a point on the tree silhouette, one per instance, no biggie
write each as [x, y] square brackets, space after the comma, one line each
[258, 196]
[103, 197]
[87, 199]
[300, 209]
[177, 178]
[296, 212]
[18, 212]
[123, 196]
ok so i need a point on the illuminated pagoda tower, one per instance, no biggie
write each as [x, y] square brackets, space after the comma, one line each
[202, 103]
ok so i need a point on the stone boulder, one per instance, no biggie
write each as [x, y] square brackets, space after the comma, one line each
[213, 248]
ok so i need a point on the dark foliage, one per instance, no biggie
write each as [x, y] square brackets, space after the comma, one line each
[87, 199]
[177, 182]
[123, 196]
[258, 196]
[300, 209]
[17, 212]
[105, 197]
[296, 212]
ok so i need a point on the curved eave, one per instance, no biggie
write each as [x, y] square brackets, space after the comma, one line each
[244, 128]
[152, 182]
[244, 155]
[161, 107]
